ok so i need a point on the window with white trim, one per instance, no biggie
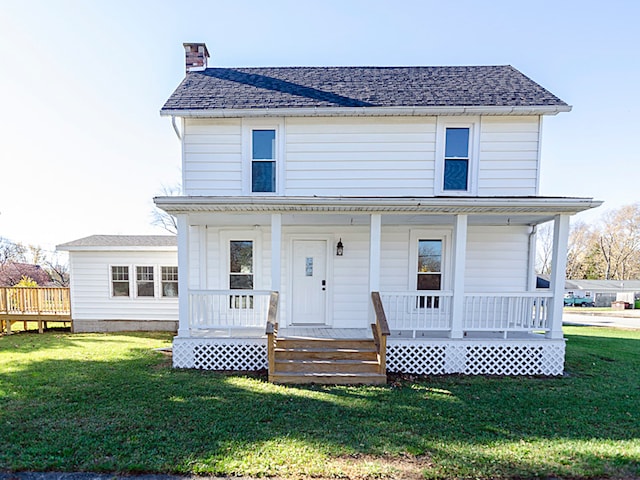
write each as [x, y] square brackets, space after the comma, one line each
[145, 284]
[429, 276]
[456, 159]
[263, 161]
[169, 281]
[120, 281]
[457, 147]
[241, 272]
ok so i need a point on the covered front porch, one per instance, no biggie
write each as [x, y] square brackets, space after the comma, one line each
[484, 304]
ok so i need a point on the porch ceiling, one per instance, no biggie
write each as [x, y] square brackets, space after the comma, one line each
[356, 210]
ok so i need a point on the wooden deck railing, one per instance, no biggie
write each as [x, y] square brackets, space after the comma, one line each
[33, 304]
[272, 332]
[380, 331]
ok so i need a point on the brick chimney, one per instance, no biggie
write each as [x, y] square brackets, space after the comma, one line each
[196, 55]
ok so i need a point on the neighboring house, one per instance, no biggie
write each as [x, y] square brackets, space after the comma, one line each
[123, 282]
[12, 272]
[328, 184]
[603, 292]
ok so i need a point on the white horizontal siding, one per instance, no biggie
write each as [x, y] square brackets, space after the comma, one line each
[212, 154]
[508, 157]
[360, 156]
[91, 288]
[496, 259]
[496, 262]
[351, 298]
[394, 261]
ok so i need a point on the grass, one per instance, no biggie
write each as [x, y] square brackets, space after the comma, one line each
[111, 403]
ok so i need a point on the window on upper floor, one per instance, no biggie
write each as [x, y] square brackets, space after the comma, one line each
[263, 160]
[456, 159]
[457, 146]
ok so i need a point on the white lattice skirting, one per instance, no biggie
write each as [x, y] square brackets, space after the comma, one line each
[426, 357]
[438, 357]
[220, 354]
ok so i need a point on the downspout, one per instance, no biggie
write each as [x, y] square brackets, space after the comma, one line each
[531, 264]
[175, 127]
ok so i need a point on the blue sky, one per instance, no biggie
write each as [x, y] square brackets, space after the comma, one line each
[83, 148]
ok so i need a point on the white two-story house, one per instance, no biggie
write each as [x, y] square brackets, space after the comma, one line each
[391, 210]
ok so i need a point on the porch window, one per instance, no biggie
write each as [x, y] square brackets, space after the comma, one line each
[456, 159]
[145, 282]
[169, 281]
[120, 281]
[241, 272]
[263, 161]
[429, 271]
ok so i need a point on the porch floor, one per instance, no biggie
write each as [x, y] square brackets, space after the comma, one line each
[355, 333]
[288, 332]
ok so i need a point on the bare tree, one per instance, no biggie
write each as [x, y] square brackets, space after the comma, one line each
[544, 246]
[580, 258]
[619, 242]
[36, 255]
[59, 273]
[11, 251]
[161, 218]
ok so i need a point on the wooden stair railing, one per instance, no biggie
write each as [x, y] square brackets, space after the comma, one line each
[380, 331]
[341, 361]
[272, 332]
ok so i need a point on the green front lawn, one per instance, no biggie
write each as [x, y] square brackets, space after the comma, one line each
[110, 403]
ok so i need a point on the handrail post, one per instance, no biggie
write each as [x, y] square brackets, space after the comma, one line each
[380, 331]
[272, 333]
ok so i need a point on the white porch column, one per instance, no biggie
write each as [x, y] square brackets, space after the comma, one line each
[558, 272]
[276, 246]
[183, 275]
[375, 235]
[457, 284]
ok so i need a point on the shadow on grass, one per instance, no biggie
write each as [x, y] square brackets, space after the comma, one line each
[134, 413]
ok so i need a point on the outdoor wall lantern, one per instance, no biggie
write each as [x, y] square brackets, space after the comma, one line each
[339, 248]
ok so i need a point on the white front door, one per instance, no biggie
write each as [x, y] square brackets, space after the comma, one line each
[309, 279]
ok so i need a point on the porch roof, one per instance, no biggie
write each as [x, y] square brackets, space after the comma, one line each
[539, 209]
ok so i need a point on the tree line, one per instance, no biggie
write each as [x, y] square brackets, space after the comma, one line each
[608, 249]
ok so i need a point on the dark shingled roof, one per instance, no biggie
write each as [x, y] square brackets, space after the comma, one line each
[300, 87]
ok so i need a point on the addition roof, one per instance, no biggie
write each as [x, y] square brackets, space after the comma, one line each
[280, 89]
[121, 242]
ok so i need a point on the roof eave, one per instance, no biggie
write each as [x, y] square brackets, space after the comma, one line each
[430, 205]
[365, 111]
[115, 248]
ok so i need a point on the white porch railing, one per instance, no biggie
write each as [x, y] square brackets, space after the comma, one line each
[227, 309]
[425, 310]
[490, 312]
[506, 312]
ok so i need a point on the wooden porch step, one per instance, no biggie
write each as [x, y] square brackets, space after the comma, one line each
[327, 366]
[362, 354]
[352, 343]
[328, 361]
[330, 378]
